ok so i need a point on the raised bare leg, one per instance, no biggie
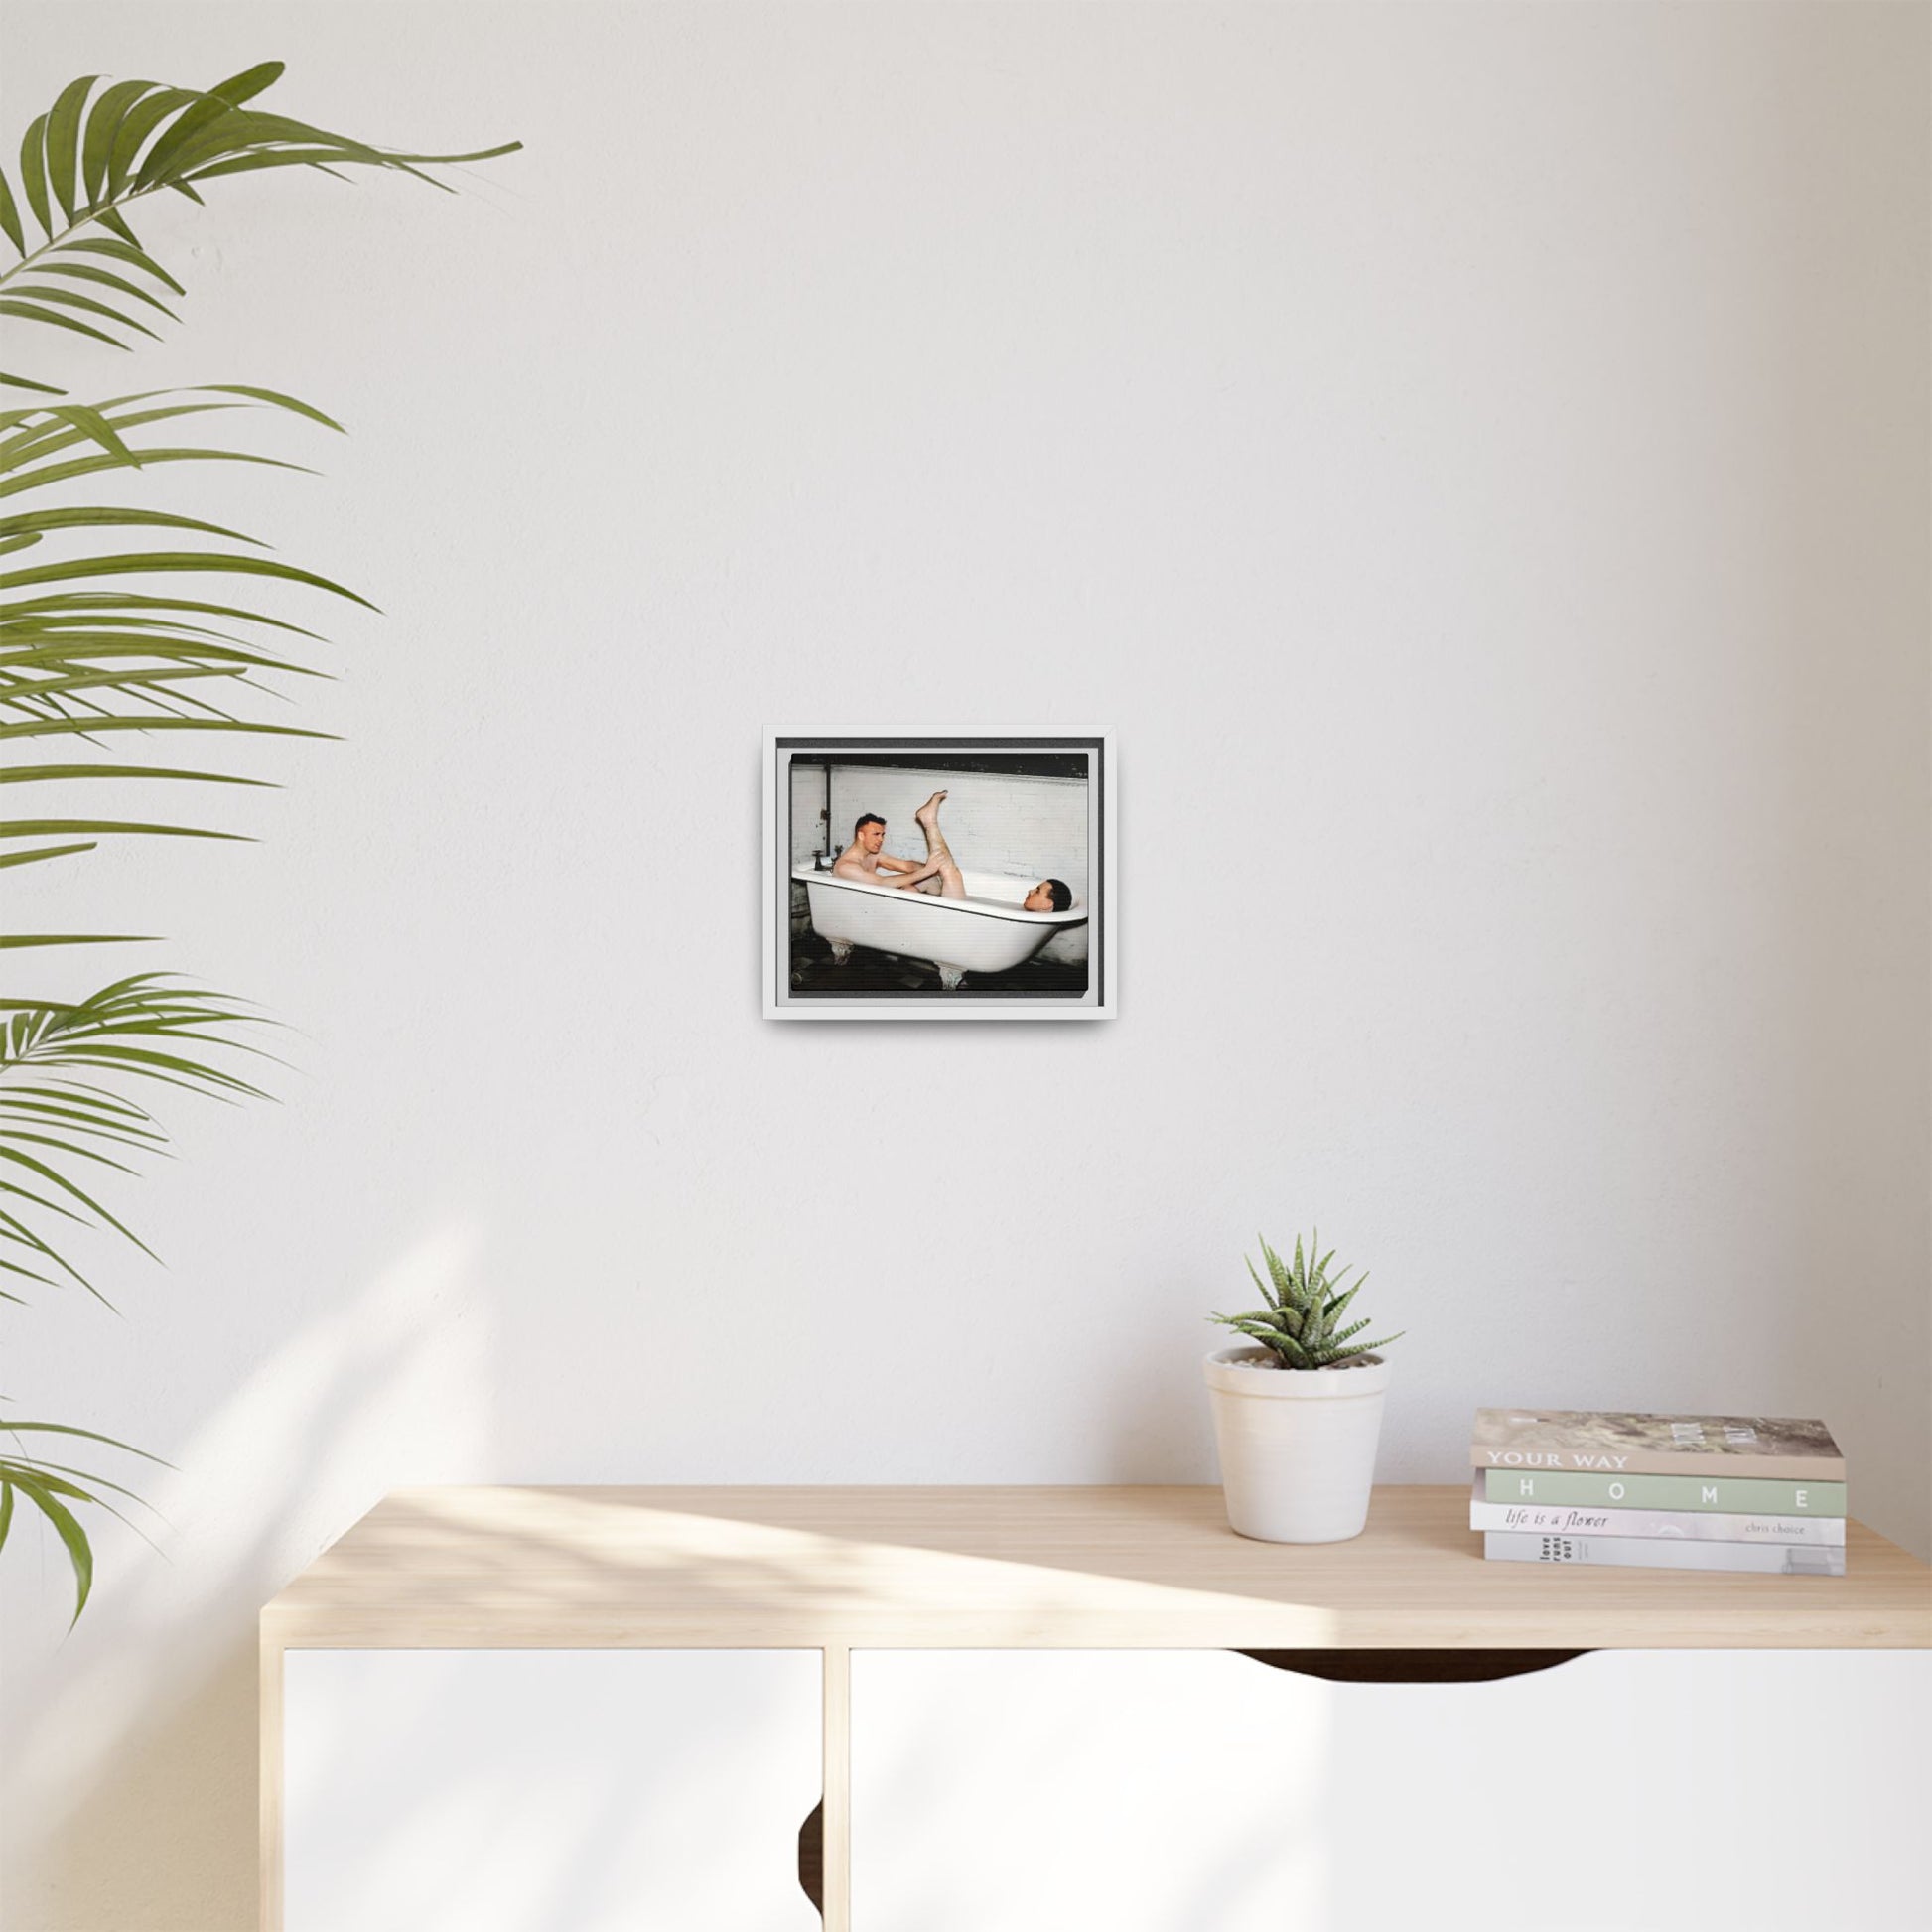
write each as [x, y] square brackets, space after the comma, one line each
[938, 853]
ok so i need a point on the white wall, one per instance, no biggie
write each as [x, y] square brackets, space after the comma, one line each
[1474, 458]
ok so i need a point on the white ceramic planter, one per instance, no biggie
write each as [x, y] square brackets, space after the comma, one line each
[1297, 1446]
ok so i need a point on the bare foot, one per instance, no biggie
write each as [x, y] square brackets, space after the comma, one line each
[928, 813]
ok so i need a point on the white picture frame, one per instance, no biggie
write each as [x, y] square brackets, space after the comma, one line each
[1024, 806]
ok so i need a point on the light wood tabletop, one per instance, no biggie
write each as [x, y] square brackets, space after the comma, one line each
[839, 1570]
[1046, 1566]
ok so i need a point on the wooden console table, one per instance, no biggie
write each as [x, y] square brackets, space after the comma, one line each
[836, 1570]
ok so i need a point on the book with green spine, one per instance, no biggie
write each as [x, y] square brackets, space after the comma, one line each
[1660, 1525]
[1747, 1495]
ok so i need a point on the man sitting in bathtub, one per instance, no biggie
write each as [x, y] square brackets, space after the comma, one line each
[864, 861]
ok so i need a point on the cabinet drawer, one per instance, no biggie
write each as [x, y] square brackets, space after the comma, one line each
[1201, 1791]
[532, 1790]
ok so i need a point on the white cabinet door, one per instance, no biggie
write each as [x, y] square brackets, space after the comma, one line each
[545, 1790]
[1200, 1791]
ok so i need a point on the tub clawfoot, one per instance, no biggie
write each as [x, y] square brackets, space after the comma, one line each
[841, 951]
[951, 976]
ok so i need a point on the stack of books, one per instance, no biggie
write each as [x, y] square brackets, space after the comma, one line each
[1662, 1492]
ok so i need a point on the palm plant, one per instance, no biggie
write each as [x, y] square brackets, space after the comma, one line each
[1302, 1322]
[102, 646]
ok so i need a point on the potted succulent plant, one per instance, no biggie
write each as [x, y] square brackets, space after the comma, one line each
[1297, 1416]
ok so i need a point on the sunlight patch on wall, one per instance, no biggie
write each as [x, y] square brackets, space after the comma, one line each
[393, 1388]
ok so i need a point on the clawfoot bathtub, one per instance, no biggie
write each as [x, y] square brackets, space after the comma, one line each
[987, 931]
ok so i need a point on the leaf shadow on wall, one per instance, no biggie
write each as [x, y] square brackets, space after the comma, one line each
[135, 1803]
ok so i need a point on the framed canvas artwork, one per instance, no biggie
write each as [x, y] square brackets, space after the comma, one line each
[939, 875]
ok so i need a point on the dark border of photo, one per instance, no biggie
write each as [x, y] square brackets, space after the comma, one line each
[1009, 749]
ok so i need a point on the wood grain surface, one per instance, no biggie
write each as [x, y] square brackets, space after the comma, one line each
[849, 1568]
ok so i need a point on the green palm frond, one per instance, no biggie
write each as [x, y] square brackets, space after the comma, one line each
[54, 1059]
[1302, 1323]
[52, 1487]
[122, 647]
[81, 267]
[85, 655]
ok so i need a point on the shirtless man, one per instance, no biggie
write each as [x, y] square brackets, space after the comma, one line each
[865, 860]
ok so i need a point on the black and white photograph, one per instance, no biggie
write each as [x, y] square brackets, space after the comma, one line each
[927, 875]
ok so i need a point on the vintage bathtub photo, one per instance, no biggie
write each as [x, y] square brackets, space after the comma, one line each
[938, 876]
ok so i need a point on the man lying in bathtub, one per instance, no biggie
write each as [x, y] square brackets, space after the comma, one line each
[864, 861]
